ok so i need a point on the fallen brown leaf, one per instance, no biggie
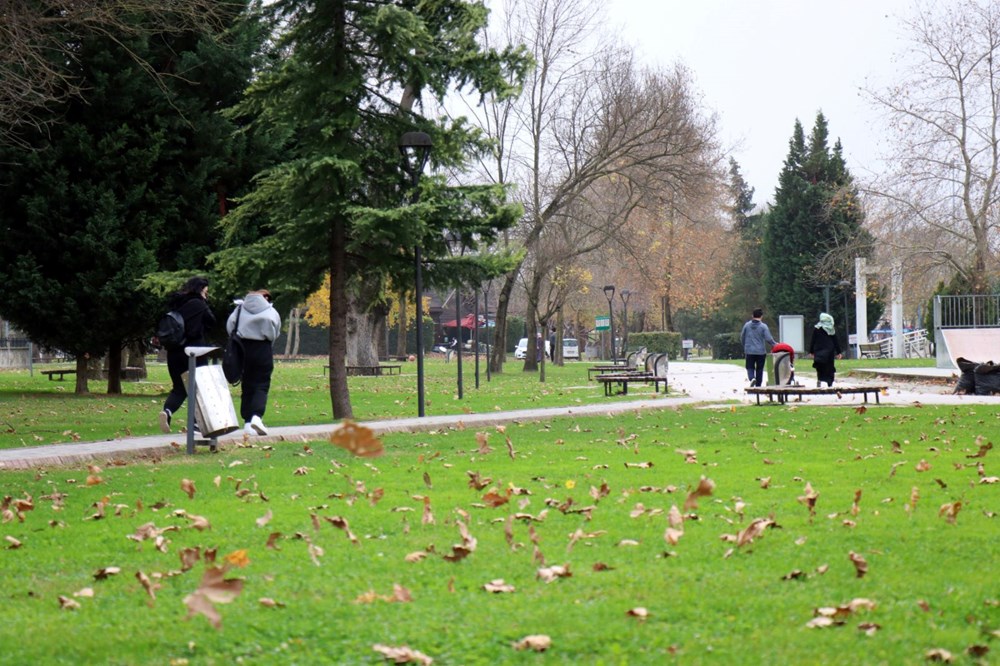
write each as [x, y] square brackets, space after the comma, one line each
[357, 439]
[860, 565]
[536, 642]
[403, 654]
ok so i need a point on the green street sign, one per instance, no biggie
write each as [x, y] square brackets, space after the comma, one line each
[602, 323]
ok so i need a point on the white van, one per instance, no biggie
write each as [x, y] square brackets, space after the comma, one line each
[571, 349]
[521, 350]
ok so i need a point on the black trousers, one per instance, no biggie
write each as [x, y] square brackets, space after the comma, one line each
[258, 365]
[755, 368]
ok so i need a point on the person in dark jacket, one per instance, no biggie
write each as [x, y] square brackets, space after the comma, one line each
[192, 303]
[824, 348]
[756, 339]
[259, 326]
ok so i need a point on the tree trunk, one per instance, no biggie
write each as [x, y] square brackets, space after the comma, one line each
[340, 397]
[82, 370]
[531, 355]
[291, 328]
[114, 366]
[297, 334]
[363, 325]
[499, 351]
[401, 333]
[557, 351]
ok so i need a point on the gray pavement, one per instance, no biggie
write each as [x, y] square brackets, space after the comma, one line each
[691, 383]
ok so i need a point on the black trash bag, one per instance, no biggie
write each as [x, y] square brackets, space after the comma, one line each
[967, 380]
[987, 378]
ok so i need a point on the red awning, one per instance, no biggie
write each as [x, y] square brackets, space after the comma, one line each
[468, 321]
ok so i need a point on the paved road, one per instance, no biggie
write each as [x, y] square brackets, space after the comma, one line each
[690, 383]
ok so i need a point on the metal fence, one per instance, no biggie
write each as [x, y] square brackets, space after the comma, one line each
[15, 353]
[968, 311]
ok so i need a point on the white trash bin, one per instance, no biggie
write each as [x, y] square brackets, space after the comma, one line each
[214, 409]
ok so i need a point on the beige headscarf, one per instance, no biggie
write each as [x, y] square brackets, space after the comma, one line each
[826, 323]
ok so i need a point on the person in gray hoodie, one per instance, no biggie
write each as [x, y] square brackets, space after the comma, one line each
[757, 340]
[259, 326]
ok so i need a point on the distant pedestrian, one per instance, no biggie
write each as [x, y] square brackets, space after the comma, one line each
[192, 304]
[259, 326]
[824, 348]
[757, 340]
[539, 348]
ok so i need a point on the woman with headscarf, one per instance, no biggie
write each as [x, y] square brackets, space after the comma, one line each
[824, 348]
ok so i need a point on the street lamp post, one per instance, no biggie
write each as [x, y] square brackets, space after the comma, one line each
[461, 342]
[457, 246]
[845, 286]
[625, 293]
[475, 332]
[609, 293]
[415, 148]
[486, 305]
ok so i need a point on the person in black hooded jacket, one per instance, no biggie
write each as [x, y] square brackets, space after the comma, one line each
[192, 303]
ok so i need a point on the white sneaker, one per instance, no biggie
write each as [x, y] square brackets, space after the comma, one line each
[165, 421]
[258, 425]
[248, 430]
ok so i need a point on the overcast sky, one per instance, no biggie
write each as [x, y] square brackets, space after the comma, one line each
[761, 64]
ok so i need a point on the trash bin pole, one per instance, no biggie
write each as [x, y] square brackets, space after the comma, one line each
[191, 397]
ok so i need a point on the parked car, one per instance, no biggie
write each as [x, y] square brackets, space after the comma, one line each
[522, 348]
[571, 349]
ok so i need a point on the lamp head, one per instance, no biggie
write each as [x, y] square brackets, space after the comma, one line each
[609, 291]
[625, 293]
[415, 147]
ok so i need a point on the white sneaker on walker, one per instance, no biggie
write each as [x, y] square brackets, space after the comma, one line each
[258, 425]
[248, 430]
[165, 421]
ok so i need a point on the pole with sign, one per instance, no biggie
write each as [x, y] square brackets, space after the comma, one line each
[602, 323]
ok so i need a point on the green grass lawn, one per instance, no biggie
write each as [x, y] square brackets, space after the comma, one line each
[591, 494]
[35, 411]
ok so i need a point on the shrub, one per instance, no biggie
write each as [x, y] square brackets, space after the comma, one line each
[657, 342]
[727, 346]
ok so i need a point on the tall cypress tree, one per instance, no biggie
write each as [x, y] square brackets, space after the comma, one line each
[814, 230]
[746, 289]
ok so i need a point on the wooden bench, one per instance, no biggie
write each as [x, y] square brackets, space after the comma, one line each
[58, 373]
[872, 350]
[623, 379]
[782, 393]
[369, 370]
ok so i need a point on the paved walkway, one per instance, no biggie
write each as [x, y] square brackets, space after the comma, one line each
[692, 383]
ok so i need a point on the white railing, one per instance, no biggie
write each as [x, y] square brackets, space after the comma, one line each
[915, 344]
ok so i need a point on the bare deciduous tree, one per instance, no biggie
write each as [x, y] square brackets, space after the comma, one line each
[39, 40]
[589, 122]
[940, 200]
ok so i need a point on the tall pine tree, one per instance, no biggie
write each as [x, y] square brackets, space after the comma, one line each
[814, 230]
[353, 82]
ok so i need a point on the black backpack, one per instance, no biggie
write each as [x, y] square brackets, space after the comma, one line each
[170, 330]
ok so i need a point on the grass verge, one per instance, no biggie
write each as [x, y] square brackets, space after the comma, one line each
[911, 492]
